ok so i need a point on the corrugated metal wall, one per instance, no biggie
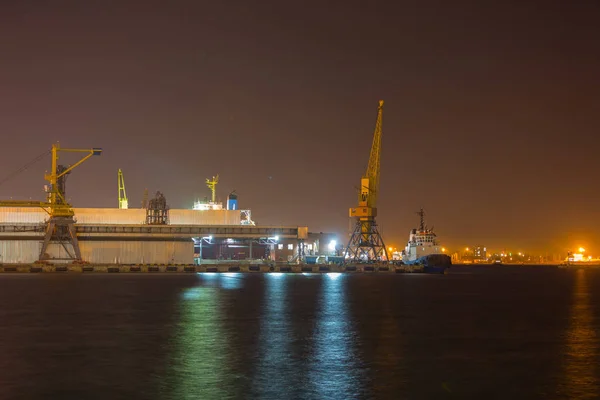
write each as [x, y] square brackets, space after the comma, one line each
[110, 216]
[19, 251]
[22, 215]
[115, 216]
[137, 252]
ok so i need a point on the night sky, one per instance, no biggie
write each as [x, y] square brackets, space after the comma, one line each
[491, 118]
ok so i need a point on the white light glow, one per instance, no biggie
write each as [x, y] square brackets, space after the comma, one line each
[334, 275]
[332, 245]
[276, 274]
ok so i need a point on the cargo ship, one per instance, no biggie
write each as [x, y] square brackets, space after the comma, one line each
[424, 249]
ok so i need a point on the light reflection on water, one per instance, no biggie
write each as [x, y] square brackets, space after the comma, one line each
[198, 358]
[581, 369]
[275, 364]
[334, 370]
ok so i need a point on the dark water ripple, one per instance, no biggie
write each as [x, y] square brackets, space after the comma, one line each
[479, 332]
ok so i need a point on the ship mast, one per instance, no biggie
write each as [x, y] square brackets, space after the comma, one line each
[421, 214]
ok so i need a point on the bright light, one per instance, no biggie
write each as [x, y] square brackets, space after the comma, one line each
[332, 245]
[276, 274]
[467, 249]
[581, 250]
[276, 238]
[231, 274]
[390, 248]
[334, 275]
[443, 249]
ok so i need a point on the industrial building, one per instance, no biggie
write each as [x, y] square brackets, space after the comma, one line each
[122, 236]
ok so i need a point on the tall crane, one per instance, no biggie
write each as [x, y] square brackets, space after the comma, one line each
[366, 244]
[60, 226]
[212, 185]
[123, 203]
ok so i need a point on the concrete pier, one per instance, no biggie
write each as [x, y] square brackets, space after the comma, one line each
[216, 268]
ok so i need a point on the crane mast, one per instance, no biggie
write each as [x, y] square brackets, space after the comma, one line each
[123, 203]
[212, 185]
[365, 242]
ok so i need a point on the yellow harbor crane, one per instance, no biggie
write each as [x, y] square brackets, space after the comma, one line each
[123, 203]
[212, 185]
[60, 228]
[365, 242]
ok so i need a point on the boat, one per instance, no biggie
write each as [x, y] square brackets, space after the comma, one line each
[424, 249]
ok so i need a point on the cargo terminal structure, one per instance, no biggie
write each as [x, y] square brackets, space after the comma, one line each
[189, 236]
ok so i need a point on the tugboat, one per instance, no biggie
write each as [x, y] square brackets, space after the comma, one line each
[424, 249]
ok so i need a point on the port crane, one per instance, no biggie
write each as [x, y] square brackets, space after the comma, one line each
[60, 225]
[366, 244]
[123, 203]
[212, 185]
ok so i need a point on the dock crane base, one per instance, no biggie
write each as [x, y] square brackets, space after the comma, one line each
[61, 231]
[366, 244]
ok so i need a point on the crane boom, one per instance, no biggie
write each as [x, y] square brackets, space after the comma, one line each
[58, 204]
[374, 160]
[123, 203]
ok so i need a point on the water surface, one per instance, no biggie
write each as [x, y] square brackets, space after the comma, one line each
[478, 332]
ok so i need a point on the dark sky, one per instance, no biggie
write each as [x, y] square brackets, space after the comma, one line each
[491, 118]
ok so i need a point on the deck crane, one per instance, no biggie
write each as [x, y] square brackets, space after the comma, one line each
[123, 203]
[212, 185]
[365, 242]
[60, 226]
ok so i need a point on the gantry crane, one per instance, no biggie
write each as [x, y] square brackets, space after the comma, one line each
[60, 228]
[212, 185]
[123, 203]
[365, 242]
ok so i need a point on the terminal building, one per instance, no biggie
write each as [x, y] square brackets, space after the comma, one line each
[207, 233]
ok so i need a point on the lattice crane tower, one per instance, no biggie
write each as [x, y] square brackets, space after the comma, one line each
[212, 185]
[366, 244]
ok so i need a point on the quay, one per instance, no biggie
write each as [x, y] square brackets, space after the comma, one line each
[214, 268]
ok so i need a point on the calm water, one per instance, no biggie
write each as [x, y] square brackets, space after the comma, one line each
[479, 332]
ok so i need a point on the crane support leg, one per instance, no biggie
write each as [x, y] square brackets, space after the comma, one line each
[61, 231]
[366, 244]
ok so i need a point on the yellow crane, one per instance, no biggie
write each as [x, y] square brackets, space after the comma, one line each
[212, 185]
[123, 203]
[366, 244]
[60, 226]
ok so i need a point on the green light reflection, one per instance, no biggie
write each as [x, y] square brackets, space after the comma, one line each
[198, 364]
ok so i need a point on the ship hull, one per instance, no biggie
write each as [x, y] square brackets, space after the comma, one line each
[432, 263]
